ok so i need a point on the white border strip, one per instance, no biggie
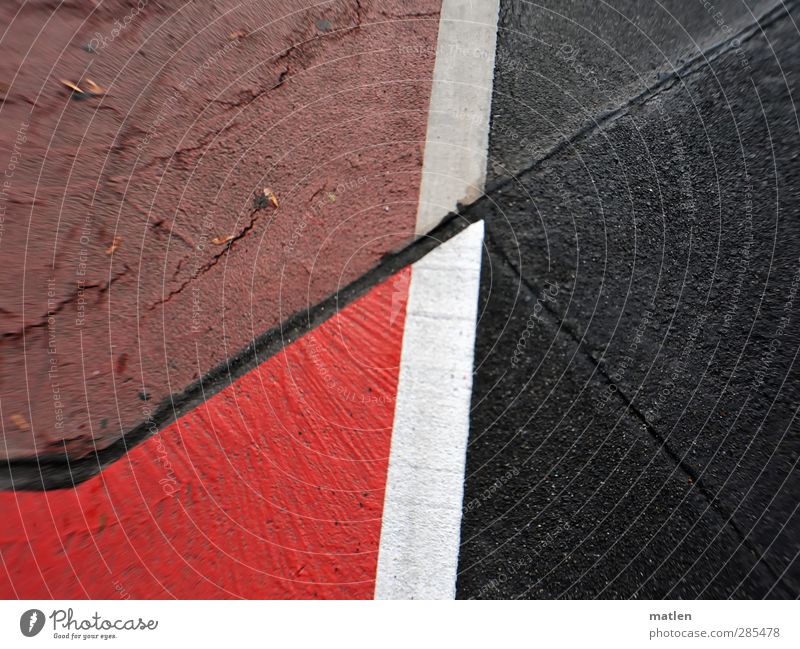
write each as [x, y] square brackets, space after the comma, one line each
[421, 531]
[454, 166]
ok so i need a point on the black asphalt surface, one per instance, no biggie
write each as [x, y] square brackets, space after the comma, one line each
[634, 426]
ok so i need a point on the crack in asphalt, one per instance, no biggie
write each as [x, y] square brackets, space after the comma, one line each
[585, 348]
[61, 305]
[228, 246]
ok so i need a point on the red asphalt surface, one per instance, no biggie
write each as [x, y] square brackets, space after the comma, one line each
[136, 259]
[273, 488]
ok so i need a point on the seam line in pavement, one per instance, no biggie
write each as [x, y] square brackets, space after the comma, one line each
[691, 67]
[671, 454]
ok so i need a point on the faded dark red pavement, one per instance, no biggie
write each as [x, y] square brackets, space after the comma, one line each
[136, 257]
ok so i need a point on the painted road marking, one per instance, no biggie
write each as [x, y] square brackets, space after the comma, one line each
[457, 140]
[420, 535]
[418, 553]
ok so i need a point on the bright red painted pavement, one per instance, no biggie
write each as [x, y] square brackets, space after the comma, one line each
[272, 488]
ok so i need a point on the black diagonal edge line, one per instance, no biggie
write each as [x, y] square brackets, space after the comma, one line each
[57, 472]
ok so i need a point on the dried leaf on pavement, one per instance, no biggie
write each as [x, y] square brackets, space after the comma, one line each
[114, 246]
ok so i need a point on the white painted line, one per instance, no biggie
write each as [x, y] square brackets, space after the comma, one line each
[421, 530]
[420, 535]
[454, 166]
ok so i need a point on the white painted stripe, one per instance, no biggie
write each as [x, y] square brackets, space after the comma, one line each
[421, 530]
[454, 166]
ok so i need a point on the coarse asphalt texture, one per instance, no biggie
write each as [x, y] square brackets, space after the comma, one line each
[633, 425]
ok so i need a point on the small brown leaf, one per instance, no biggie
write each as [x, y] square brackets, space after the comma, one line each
[270, 196]
[220, 241]
[20, 422]
[72, 86]
[114, 246]
[94, 89]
